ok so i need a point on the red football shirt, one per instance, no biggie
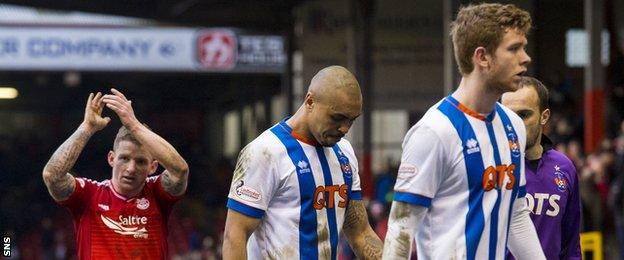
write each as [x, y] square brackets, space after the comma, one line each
[111, 226]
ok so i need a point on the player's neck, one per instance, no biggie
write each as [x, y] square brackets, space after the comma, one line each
[126, 194]
[299, 125]
[473, 94]
[535, 152]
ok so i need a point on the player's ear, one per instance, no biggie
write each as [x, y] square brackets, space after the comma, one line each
[111, 158]
[481, 58]
[309, 100]
[544, 117]
[153, 167]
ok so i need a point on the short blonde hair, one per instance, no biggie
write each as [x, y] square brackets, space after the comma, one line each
[125, 135]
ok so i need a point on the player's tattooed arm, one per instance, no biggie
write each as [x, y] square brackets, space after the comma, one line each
[365, 243]
[173, 186]
[56, 172]
[404, 218]
[175, 177]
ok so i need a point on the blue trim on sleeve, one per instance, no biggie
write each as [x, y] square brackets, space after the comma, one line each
[412, 198]
[356, 195]
[245, 209]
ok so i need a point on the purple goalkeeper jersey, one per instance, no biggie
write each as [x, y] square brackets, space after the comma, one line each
[553, 197]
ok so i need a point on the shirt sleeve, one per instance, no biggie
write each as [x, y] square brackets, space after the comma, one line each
[423, 167]
[571, 223]
[254, 182]
[78, 200]
[164, 199]
[523, 241]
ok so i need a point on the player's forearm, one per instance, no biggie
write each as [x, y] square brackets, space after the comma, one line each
[523, 240]
[367, 245]
[238, 229]
[363, 240]
[64, 158]
[234, 246]
[404, 218]
[56, 171]
[162, 151]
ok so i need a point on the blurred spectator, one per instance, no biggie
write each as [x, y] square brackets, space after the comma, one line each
[561, 98]
[616, 194]
[384, 184]
[592, 187]
[379, 218]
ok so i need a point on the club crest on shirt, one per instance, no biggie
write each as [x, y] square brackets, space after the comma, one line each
[104, 207]
[142, 203]
[560, 181]
[247, 193]
[514, 146]
[345, 166]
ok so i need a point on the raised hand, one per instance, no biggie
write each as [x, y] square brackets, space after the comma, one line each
[93, 119]
[122, 107]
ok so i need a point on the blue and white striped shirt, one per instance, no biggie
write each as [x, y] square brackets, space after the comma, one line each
[298, 190]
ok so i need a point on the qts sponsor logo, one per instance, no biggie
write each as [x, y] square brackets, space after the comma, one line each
[494, 177]
[536, 203]
[325, 196]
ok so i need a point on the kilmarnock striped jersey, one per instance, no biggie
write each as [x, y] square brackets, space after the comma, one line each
[467, 169]
[298, 190]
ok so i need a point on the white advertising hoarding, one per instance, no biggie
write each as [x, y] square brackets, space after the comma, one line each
[139, 49]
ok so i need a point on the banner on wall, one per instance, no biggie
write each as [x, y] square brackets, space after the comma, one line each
[140, 49]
